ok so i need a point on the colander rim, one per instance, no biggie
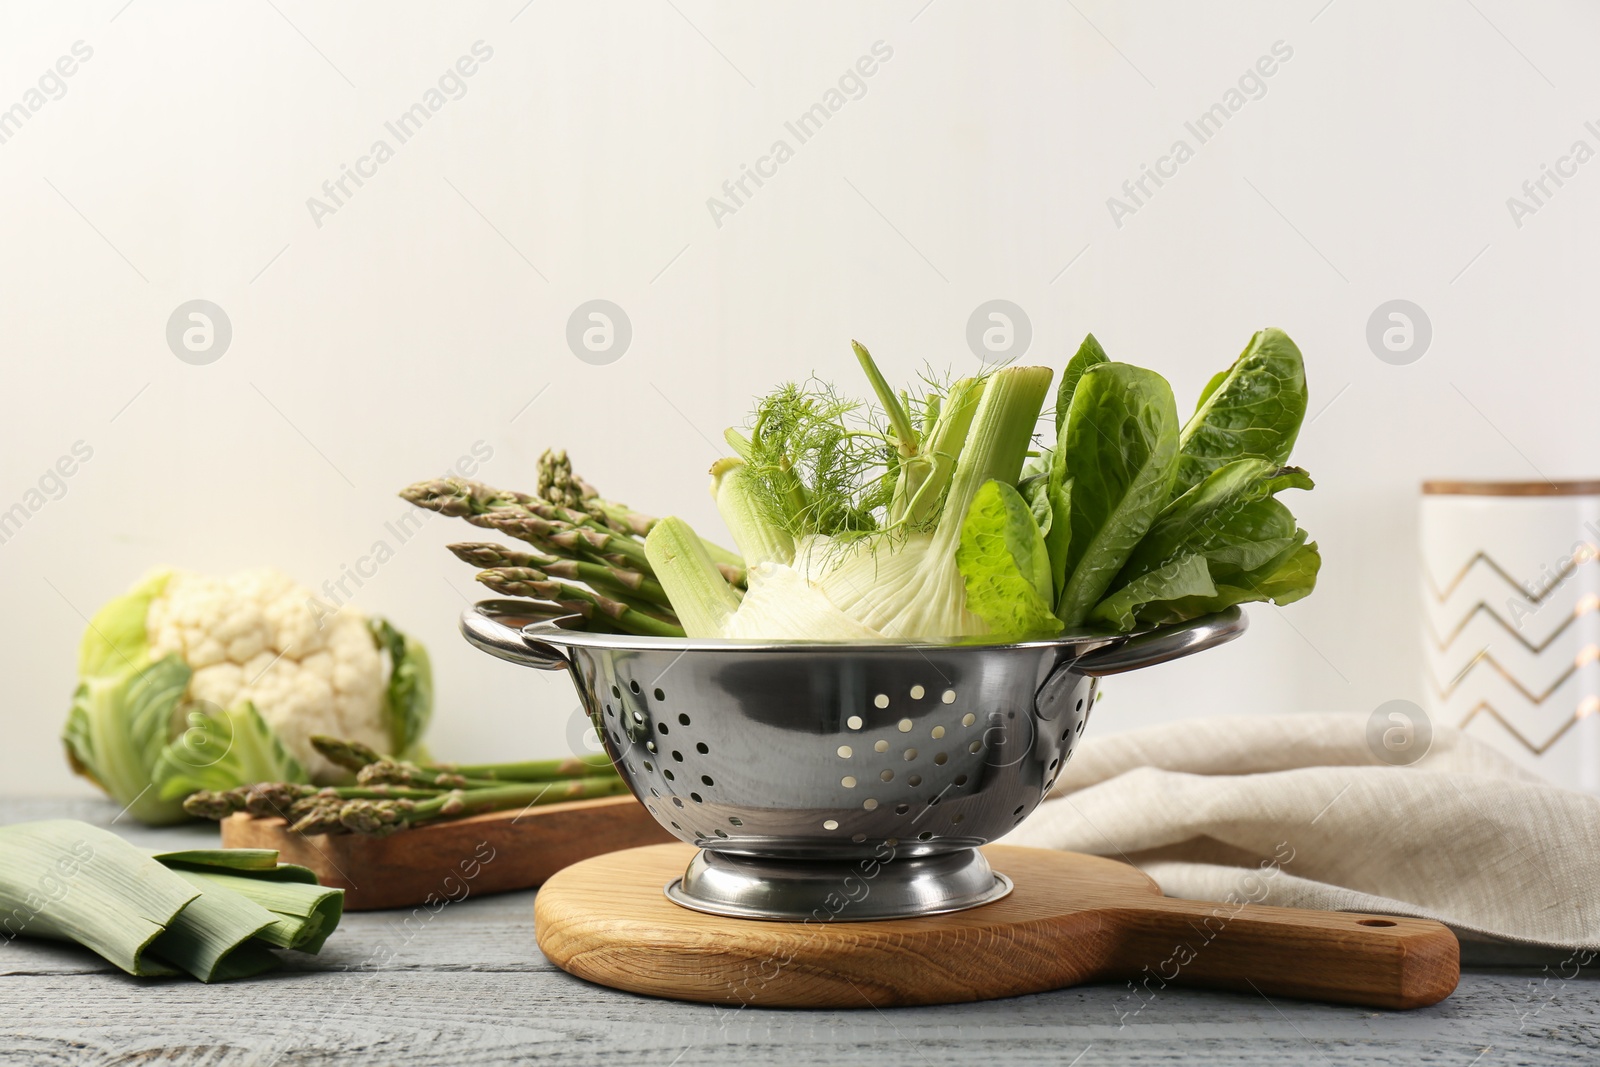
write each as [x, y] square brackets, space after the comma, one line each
[546, 632]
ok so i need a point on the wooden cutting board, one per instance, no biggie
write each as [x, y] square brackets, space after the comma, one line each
[489, 853]
[1071, 919]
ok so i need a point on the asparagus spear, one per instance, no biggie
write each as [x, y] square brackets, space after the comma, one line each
[490, 555]
[356, 757]
[380, 818]
[267, 799]
[560, 486]
[525, 581]
[535, 770]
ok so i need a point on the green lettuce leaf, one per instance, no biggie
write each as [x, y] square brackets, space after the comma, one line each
[1089, 354]
[1254, 410]
[1186, 577]
[1288, 577]
[1223, 518]
[1119, 447]
[1005, 565]
[221, 750]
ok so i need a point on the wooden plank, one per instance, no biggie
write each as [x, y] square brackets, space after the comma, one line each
[490, 853]
[470, 986]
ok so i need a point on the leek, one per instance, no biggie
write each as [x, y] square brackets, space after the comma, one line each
[213, 914]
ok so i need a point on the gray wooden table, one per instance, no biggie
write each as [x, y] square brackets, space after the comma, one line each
[469, 985]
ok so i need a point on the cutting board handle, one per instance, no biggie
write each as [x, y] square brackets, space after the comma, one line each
[1385, 961]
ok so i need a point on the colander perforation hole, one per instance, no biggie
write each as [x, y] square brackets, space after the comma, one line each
[1019, 809]
[701, 747]
[677, 756]
[705, 779]
[683, 720]
[697, 798]
[661, 727]
[854, 722]
[1080, 705]
[675, 826]
[870, 804]
[904, 726]
[845, 751]
[720, 832]
[830, 824]
[975, 747]
[948, 696]
[961, 780]
[858, 838]
[968, 719]
[611, 711]
[937, 732]
[926, 835]
[914, 781]
[940, 759]
[649, 766]
[911, 754]
[848, 781]
[659, 694]
[650, 746]
[887, 776]
[917, 692]
[616, 692]
[734, 820]
[1080, 724]
[677, 802]
[880, 746]
[901, 809]
[881, 700]
[1066, 733]
[654, 793]
[1055, 763]
[634, 686]
[669, 775]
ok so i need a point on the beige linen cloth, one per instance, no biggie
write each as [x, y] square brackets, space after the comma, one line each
[1295, 811]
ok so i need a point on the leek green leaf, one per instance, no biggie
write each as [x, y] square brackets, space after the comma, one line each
[217, 923]
[301, 915]
[75, 882]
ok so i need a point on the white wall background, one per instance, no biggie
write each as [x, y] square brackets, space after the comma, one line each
[429, 310]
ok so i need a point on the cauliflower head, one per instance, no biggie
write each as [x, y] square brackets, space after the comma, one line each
[190, 681]
[255, 635]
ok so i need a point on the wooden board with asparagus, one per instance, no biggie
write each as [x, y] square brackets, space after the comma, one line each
[499, 826]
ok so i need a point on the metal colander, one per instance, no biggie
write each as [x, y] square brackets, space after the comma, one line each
[858, 779]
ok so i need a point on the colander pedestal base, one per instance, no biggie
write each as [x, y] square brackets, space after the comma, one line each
[795, 890]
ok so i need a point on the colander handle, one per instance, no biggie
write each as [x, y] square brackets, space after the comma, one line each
[485, 625]
[1167, 643]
